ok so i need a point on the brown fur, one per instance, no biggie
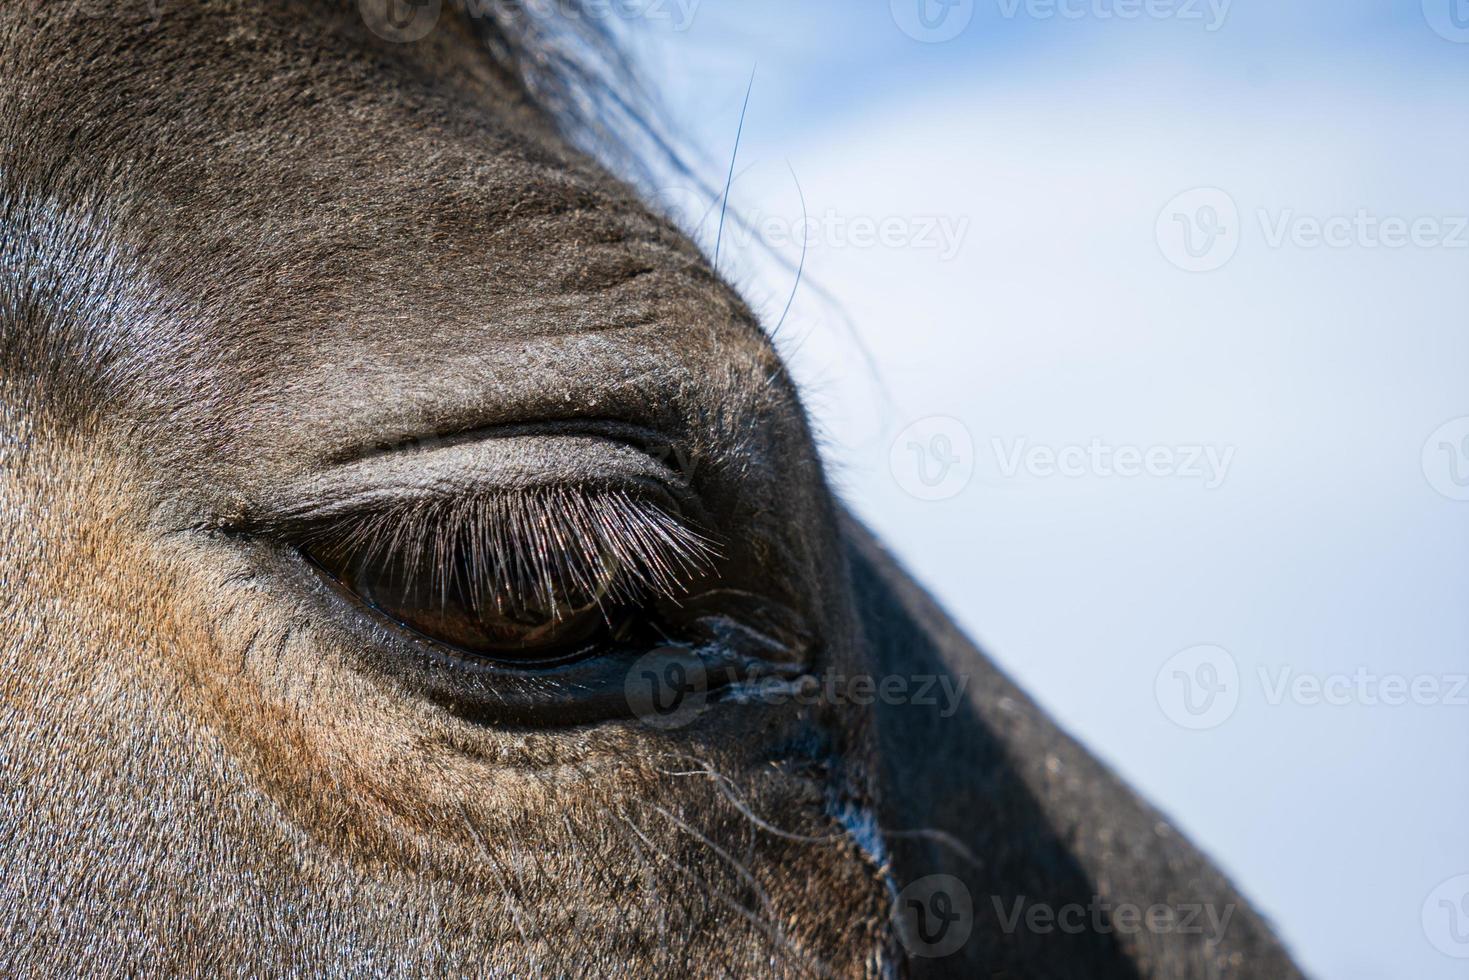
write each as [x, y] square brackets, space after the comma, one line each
[240, 240]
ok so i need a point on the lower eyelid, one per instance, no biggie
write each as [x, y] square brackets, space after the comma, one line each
[736, 635]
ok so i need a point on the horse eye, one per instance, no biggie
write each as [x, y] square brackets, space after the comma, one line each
[524, 579]
[454, 603]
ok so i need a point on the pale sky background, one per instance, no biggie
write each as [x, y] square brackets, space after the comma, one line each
[1051, 147]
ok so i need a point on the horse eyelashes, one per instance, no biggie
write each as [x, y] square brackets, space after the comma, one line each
[514, 570]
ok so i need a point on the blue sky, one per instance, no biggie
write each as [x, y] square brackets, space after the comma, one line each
[1041, 181]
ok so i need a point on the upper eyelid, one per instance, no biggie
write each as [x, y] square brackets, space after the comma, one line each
[420, 474]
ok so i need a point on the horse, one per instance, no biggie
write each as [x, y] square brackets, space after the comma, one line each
[417, 560]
